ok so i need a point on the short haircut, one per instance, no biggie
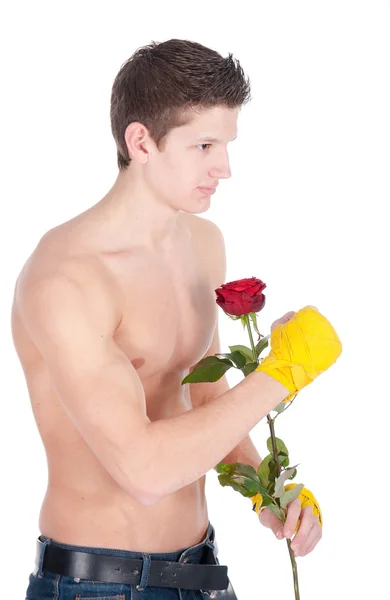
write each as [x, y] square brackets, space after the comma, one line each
[161, 84]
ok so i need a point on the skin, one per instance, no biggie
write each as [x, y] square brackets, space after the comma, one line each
[146, 223]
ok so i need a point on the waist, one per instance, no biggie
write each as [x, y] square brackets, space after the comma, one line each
[195, 567]
[177, 521]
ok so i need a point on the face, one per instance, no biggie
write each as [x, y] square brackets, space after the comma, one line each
[194, 155]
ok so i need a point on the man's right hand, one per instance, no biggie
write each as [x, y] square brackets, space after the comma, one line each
[283, 319]
[303, 345]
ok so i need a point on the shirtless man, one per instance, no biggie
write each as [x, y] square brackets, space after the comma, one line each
[110, 312]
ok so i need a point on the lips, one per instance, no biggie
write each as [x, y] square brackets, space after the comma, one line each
[209, 187]
[209, 190]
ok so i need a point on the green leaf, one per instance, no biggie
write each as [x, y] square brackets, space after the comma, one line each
[280, 407]
[238, 359]
[263, 491]
[243, 474]
[276, 510]
[291, 495]
[249, 368]
[240, 474]
[224, 468]
[297, 465]
[266, 500]
[226, 480]
[284, 461]
[279, 484]
[273, 471]
[294, 471]
[209, 369]
[262, 345]
[264, 471]
[244, 350]
[280, 446]
[250, 485]
[246, 470]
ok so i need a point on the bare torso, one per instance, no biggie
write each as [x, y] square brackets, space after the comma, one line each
[166, 315]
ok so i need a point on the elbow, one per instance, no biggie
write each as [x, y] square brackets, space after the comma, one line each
[140, 489]
[149, 500]
[138, 479]
[141, 495]
[146, 496]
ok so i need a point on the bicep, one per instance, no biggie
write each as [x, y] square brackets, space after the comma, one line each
[95, 382]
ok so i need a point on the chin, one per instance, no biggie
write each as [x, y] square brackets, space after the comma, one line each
[197, 210]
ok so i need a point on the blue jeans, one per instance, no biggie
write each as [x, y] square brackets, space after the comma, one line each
[44, 585]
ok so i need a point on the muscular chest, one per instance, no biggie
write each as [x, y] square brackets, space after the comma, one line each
[169, 311]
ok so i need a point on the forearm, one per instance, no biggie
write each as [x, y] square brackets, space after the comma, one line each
[177, 451]
[245, 452]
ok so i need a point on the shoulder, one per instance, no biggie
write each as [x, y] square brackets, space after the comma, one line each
[48, 268]
[205, 230]
[209, 238]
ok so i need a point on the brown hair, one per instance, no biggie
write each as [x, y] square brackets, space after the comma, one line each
[160, 84]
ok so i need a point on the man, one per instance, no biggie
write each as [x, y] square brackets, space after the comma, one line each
[110, 312]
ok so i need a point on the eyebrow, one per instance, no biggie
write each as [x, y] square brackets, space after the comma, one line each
[212, 139]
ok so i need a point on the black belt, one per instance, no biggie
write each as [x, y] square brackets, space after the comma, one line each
[115, 569]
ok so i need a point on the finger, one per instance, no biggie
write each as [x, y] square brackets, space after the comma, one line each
[313, 543]
[314, 536]
[308, 521]
[268, 519]
[288, 316]
[293, 513]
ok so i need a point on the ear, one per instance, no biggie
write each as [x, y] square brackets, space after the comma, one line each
[138, 141]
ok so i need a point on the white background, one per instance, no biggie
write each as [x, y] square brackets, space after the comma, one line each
[304, 211]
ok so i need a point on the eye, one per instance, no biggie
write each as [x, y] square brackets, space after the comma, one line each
[203, 145]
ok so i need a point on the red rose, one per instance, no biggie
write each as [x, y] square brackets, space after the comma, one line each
[241, 297]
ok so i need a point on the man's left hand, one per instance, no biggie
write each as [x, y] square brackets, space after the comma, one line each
[308, 532]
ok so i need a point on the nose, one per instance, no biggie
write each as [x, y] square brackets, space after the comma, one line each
[222, 169]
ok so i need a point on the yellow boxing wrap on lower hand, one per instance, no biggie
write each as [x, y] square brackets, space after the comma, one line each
[301, 349]
[306, 497]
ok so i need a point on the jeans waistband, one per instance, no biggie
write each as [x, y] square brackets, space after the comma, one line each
[188, 554]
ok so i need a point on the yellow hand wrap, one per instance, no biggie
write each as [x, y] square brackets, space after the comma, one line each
[301, 349]
[306, 497]
[257, 500]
